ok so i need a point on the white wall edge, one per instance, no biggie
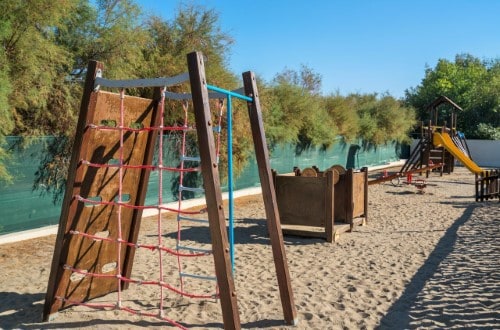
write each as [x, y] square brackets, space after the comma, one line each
[52, 230]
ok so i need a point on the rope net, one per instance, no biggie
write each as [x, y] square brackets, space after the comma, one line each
[173, 256]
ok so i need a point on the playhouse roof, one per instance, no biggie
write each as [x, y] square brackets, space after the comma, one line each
[443, 99]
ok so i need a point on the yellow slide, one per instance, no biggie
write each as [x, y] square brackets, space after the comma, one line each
[444, 140]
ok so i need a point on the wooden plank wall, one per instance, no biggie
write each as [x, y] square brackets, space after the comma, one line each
[100, 184]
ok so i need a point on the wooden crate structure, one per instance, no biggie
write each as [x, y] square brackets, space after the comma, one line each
[323, 206]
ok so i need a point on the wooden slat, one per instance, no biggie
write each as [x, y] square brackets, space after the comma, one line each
[340, 197]
[301, 200]
[60, 253]
[365, 171]
[152, 137]
[330, 204]
[269, 196]
[213, 195]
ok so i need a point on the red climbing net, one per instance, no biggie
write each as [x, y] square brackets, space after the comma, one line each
[180, 251]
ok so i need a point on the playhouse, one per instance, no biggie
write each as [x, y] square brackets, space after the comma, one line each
[314, 203]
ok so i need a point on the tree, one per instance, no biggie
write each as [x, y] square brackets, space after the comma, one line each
[31, 65]
[130, 48]
[294, 110]
[6, 124]
[343, 114]
[383, 119]
[472, 84]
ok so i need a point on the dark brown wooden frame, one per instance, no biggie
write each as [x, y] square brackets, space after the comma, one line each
[80, 183]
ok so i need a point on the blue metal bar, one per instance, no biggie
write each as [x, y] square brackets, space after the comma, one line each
[229, 93]
[230, 177]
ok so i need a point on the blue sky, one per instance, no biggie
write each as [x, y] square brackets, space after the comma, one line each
[356, 46]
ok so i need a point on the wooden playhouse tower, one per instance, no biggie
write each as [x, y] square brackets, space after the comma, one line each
[425, 157]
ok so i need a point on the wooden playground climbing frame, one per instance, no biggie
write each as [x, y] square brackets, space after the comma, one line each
[76, 256]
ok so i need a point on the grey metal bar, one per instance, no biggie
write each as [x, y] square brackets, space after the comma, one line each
[182, 188]
[201, 277]
[149, 82]
[180, 217]
[190, 158]
[192, 249]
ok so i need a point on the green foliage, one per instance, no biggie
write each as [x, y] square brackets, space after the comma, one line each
[488, 132]
[295, 111]
[47, 45]
[35, 61]
[342, 112]
[471, 83]
[383, 119]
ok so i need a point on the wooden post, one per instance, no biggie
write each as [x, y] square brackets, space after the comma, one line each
[213, 195]
[349, 198]
[476, 181]
[74, 173]
[365, 191]
[329, 206]
[269, 196]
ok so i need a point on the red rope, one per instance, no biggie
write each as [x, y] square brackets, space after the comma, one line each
[120, 192]
[147, 167]
[138, 282]
[160, 191]
[139, 130]
[122, 167]
[137, 245]
[114, 306]
[136, 207]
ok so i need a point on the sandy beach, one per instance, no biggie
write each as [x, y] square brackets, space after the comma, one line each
[423, 261]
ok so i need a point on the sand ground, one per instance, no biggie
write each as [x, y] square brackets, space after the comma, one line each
[423, 261]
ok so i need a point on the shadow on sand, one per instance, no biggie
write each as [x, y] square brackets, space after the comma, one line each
[458, 286]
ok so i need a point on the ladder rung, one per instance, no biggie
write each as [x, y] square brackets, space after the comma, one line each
[192, 249]
[201, 277]
[190, 158]
[181, 217]
[182, 188]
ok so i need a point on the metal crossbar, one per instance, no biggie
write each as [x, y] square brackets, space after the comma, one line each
[180, 217]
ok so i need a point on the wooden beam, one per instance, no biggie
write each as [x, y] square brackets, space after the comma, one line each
[74, 172]
[329, 206]
[365, 191]
[213, 195]
[269, 196]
